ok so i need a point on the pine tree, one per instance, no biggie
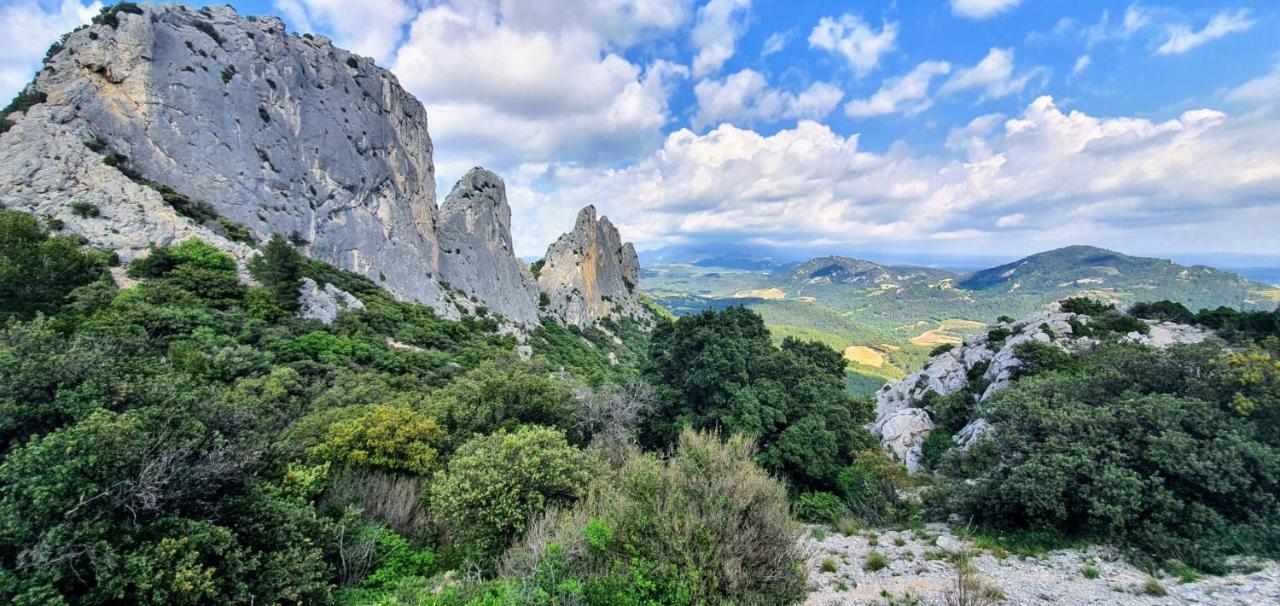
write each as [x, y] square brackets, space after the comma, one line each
[279, 268]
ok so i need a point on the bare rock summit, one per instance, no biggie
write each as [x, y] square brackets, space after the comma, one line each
[476, 257]
[590, 275]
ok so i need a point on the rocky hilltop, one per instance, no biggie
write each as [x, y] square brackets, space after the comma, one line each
[161, 122]
[476, 257]
[589, 274]
[985, 364]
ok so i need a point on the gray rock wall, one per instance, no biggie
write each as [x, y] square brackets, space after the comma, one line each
[279, 133]
[476, 257]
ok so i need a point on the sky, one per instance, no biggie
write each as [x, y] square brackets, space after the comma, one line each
[963, 127]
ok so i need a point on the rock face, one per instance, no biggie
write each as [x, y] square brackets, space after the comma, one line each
[323, 304]
[994, 364]
[476, 257]
[278, 133]
[162, 122]
[589, 274]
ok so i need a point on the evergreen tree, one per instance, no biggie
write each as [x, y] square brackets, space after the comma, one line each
[279, 268]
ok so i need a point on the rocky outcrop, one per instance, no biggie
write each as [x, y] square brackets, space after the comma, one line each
[162, 122]
[476, 257]
[903, 433]
[987, 363]
[323, 304]
[274, 132]
[590, 275]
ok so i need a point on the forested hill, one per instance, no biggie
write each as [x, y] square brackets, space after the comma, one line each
[1087, 268]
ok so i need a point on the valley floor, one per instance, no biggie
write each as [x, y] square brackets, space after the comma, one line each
[920, 571]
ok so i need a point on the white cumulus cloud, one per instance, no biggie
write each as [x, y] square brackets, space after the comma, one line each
[720, 24]
[376, 32]
[855, 40]
[993, 75]
[511, 92]
[1067, 175]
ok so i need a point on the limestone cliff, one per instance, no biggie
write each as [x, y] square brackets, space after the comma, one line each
[589, 274]
[215, 116]
[161, 122]
[476, 258]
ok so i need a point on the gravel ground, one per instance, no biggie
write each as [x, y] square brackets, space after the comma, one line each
[922, 568]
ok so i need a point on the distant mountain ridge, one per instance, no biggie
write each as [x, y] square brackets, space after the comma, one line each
[1093, 269]
[846, 270]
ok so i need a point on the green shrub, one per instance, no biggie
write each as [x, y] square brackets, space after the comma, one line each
[1037, 357]
[996, 337]
[85, 210]
[39, 270]
[495, 483]
[109, 14]
[875, 561]
[1085, 306]
[208, 29]
[500, 395]
[721, 369]
[941, 349]
[936, 445]
[870, 486]
[23, 101]
[383, 437]
[1166, 311]
[819, 507]
[705, 526]
[1106, 453]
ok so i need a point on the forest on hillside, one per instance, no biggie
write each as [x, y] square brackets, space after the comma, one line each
[188, 439]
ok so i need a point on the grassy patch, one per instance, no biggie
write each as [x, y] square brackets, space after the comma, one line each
[875, 561]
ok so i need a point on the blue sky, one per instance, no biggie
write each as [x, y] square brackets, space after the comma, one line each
[989, 127]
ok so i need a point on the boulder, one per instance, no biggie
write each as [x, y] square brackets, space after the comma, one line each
[904, 432]
[323, 304]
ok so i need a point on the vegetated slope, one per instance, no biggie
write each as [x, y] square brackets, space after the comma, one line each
[1109, 274]
[310, 438]
[848, 302]
[844, 270]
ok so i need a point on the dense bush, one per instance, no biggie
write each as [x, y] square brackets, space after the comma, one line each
[187, 441]
[706, 526]
[1138, 446]
[720, 369]
[871, 486]
[39, 270]
[495, 483]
